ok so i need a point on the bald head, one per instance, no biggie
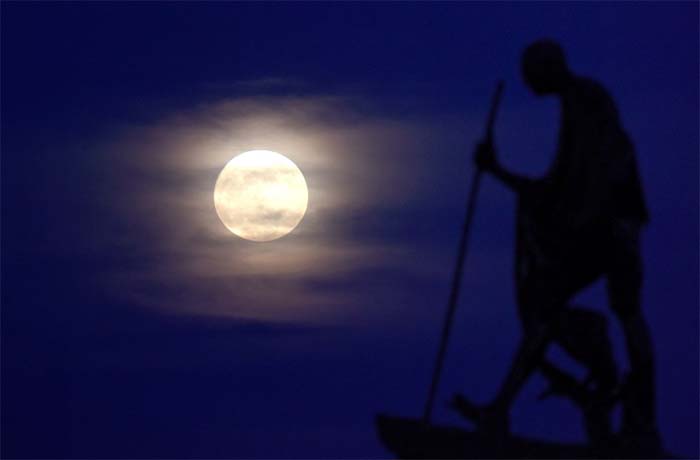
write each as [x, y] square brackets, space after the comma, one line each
[544, 67]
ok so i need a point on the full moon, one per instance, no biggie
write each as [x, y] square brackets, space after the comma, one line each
[260, 195]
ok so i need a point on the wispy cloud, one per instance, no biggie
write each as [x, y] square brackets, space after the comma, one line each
[357, 165]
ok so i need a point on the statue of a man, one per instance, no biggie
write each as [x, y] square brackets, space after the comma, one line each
[579, 223]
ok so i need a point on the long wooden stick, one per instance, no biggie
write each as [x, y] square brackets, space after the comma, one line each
[461, 256]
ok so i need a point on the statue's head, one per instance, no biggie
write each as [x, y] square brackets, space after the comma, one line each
[544, 67]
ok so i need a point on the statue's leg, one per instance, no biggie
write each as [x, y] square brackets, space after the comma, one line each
[542, 294]
[493, 419]
[624, 291]
[537, 313]
[583, 334]
[530, 352]
[541, 298]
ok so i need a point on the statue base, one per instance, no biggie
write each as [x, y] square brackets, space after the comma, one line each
[411, 438]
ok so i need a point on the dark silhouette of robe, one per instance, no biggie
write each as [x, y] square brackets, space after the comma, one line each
[590, 201]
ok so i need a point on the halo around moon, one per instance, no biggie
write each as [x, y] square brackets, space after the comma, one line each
[260, 195]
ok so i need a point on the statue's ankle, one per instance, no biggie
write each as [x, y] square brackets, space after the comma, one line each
[498, 408]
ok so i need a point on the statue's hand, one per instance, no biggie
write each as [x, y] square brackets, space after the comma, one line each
[485, 156]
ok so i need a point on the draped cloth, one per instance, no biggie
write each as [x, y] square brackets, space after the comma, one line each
[582, 220]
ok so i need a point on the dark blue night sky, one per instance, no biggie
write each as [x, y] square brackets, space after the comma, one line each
[135, 325]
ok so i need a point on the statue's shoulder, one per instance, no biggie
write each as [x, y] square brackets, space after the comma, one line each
[590, 99]
[590, 86]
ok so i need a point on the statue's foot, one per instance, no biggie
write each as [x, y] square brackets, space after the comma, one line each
[642, 444]
[639, 431]
[488, 419]
[596, 417]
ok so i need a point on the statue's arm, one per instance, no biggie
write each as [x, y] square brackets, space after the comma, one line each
[486, 159]
[516, 182]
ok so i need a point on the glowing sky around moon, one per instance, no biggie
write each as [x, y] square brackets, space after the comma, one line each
[261, 195]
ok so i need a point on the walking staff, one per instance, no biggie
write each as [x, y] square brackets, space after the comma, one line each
[461, 256]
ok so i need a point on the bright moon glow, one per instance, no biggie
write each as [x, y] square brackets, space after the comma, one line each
[260, 195]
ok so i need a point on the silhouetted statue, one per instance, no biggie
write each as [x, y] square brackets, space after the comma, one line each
[579, 223]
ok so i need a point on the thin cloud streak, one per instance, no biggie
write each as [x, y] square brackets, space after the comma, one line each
[355, 165]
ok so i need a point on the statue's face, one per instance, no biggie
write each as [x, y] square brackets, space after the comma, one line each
[544, 67]
[541, 81]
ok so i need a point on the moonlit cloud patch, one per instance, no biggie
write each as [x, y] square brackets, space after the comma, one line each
[358, 167]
